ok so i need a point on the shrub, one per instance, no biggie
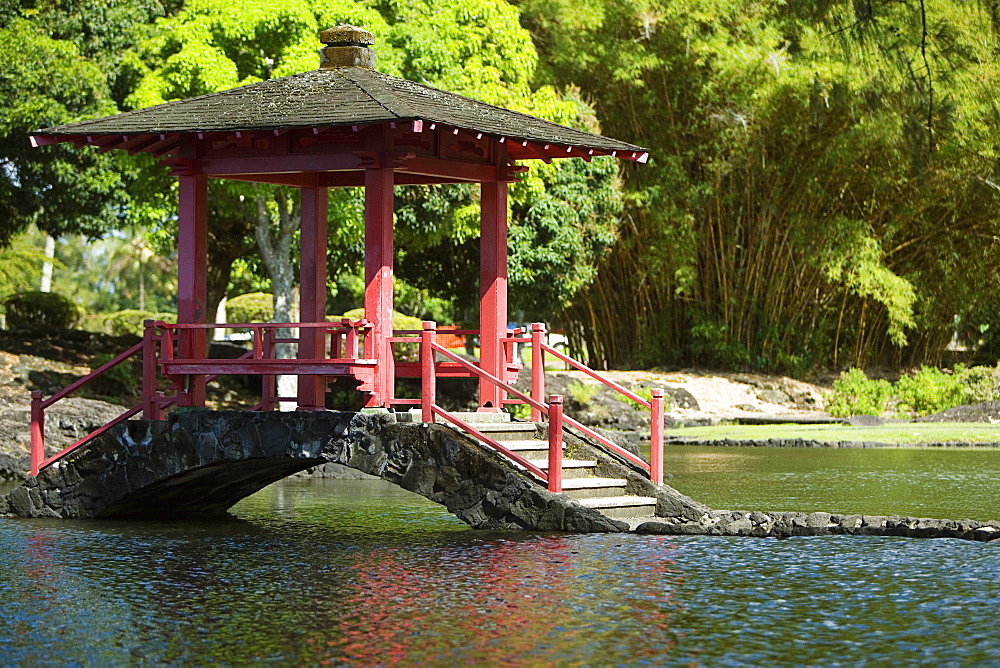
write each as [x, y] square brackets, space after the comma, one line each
[647, 394]
[132, 321]
[253, 307]
[40, 311]
[519, 411]
[856, 394]
[931, 390]
[982, 382]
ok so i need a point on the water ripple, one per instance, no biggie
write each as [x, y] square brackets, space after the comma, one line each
[315, 573]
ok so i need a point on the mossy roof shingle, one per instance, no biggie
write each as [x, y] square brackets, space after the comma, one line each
[333, 97]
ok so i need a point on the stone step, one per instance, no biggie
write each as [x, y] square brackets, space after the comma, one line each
[590, 488]
[528, 449]
[571, 468]
[476, 418]
[622, 507]
[512, 427]
[506, 431]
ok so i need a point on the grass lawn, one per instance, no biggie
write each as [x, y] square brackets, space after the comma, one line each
[909, 434]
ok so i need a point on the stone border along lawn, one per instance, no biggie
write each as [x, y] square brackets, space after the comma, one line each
[903, 434]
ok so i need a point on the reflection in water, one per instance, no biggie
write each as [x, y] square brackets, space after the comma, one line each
[360, 572]
[497, 600]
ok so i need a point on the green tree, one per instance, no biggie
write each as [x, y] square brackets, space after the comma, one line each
[563, 216]
[475, 48]
[794, 212]
[207, 47]
[45, 82]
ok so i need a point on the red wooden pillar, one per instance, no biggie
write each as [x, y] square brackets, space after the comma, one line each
[312, 287]
[192, 264]
[492, 290]
[378, 280]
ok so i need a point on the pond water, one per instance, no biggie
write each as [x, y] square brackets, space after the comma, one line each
[360, 572]
[919, 482]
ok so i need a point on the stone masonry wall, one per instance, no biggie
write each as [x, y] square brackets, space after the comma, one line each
[203, 461]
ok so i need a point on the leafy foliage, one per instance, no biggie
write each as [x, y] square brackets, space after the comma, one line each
[44, 82]
[582, 393]
[819, 188]
[928, 390]
[856, 394]
[132, 321]
[20, 265]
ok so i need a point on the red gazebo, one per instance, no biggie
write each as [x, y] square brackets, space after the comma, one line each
[344, 124]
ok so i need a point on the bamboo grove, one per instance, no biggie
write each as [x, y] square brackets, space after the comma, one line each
[822, 190]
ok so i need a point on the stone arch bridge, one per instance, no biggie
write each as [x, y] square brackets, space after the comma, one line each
[201, 461]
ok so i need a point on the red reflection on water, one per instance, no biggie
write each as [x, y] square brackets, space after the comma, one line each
[40, 590]
[524, 606]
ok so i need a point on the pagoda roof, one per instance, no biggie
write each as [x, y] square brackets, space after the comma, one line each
[332, 97]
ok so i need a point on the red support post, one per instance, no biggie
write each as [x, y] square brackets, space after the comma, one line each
[428, 380]
[192, 265]
[378, 280]
[37, 432]
[555, 443]
[312, 282]
[492, 291]
[151, 409]
[537, 368]
[656, 438]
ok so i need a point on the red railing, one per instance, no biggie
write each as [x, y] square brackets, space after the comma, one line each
[553, 410]
[344, 347]
[655, 404]
[38, 406]
[429, 408]
[341, 352]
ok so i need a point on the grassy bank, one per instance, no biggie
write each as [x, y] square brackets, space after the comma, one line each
[926, 433]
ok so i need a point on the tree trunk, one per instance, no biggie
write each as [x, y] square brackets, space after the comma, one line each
[275, 244]
[50, 253]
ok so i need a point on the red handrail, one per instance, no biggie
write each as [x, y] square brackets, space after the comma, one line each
[38, 406]
[429, 409]
[437, 410]
[655, 405]
[539, 408]
[345, 340]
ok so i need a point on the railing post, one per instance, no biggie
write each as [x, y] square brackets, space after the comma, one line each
[336, 342]
[428, 380]
[351, 342]
[150, 409]
[555, 442]
[37, 432]
[537, 368]
[656, 438]
[267, 381]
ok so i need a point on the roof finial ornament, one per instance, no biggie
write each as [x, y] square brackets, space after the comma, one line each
[346, 46]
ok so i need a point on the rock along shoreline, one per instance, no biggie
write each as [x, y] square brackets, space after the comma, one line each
[806, 443]
[787, 524]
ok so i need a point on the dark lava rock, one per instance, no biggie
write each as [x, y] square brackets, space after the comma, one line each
[865, 421]
[988, 411]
